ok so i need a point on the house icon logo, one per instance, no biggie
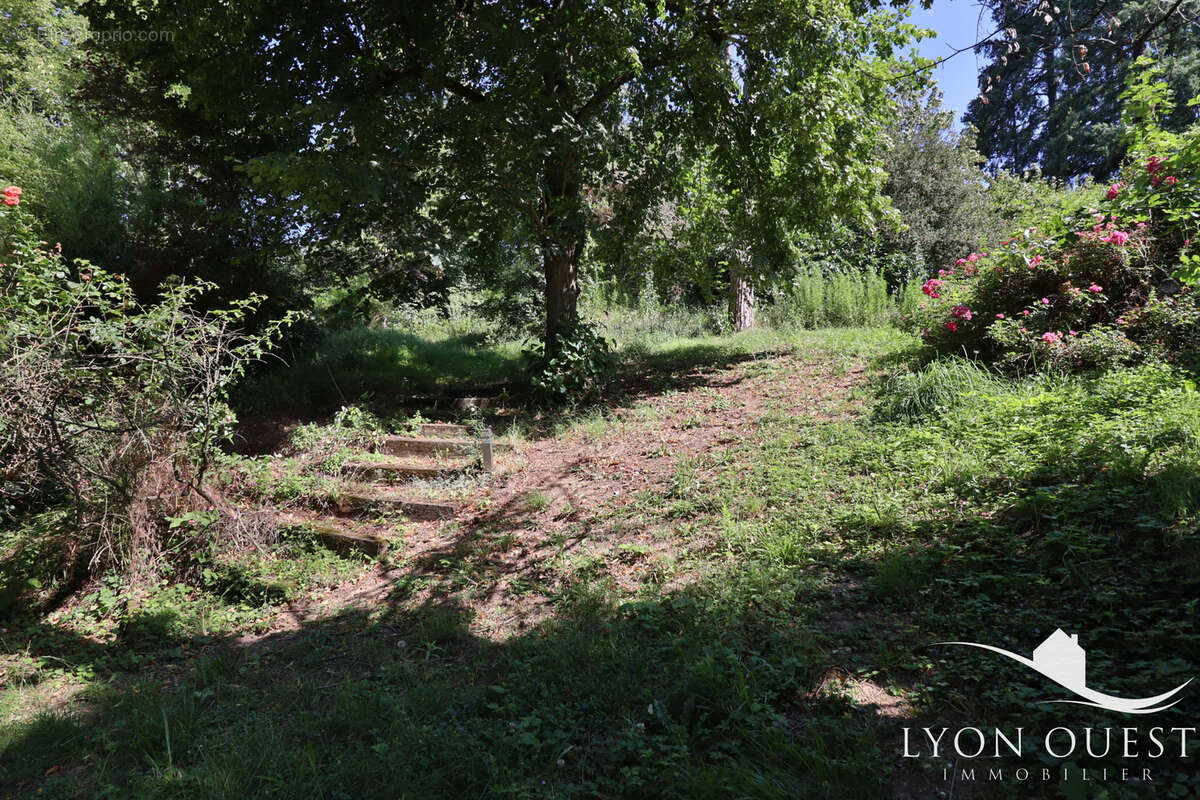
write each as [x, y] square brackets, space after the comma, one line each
[1061, 659]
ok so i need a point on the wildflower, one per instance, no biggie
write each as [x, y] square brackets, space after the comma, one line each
[951, 326]
[1095, 288]
[1113, 191]
[1049, 337]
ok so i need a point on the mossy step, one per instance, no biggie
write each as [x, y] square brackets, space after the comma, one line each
[414, 445]
[393, 468]
[443, 429]
[341, 538]
[359, 499]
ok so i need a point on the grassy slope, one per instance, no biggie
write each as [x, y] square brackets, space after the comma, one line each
[780, 631]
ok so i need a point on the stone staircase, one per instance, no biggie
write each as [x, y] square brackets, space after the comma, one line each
[380, 483]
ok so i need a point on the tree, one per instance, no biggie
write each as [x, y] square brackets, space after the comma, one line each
[935, 182]
[444, 121]
[1050, 94]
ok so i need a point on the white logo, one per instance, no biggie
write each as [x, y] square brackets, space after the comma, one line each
[1062, 660]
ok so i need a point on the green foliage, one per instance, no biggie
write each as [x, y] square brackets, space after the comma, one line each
[934, 389]
[1051, 92]
[837, 299]
[574, 370]
[462, 140]
[106, 403]
[1088, 286]
[935, 182]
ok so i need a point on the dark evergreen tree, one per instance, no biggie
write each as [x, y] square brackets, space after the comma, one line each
[1050, 95]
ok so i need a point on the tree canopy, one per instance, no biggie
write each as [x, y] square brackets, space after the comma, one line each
[1050, 96]
[492, 124]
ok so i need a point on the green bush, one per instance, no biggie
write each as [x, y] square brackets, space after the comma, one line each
[574, 370]
[109, 408]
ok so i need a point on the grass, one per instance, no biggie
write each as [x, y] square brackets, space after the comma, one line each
[361, 363]
[821, 552]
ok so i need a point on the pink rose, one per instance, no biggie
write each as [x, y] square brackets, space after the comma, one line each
[951, 326]
[1049, 337]
[1113, 191]
[1095, 287]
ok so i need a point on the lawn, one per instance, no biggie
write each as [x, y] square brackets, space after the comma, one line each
[728, 581]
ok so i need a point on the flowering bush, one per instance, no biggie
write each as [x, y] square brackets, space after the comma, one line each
[1110, 283]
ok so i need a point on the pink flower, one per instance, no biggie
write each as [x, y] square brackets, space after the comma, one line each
[961, 312]
[1113, 191]
[1171, 180]
[1116, 237]
[960, 262]
[1154, 165]
[1071, 333]
[1049, 337]
[951, 326]
[1033, 262]
[1095, 287]
[942, 272]
[1120, 320]
[933, 287]
[1025, 313]
[1099, 218]
[1045, 301]
[999, 316]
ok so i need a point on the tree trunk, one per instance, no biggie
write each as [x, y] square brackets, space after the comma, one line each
[741, 298]
[562, 245]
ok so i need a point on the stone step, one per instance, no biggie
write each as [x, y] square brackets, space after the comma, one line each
[414, 445]
[362, 499]
[392, 468]
[443, 429]
[342, 538]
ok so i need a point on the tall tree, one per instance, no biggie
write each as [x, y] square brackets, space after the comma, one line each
[461, 119]
[1050, 95]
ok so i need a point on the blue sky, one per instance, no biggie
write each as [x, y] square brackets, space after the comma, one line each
[958, 24]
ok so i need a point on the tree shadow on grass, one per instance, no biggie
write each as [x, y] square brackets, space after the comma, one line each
[652, 699]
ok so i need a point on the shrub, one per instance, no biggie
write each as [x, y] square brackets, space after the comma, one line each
[1094, 285]
[574, 371]
[110, 408]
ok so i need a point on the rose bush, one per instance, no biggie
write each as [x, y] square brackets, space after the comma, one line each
[1107, 284]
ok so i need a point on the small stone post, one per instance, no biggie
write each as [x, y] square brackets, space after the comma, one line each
[486, 450]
